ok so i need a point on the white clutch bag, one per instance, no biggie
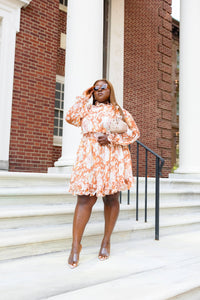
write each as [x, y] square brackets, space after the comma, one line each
[118, 126]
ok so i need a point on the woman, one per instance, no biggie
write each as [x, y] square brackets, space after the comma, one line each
[103, 165]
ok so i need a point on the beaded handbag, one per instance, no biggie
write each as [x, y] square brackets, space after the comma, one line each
[118, 126]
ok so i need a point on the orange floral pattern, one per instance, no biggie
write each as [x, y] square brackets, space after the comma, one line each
[101, 170]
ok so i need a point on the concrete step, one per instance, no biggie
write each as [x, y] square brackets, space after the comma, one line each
[10, 197]
[165, 195]
[15, 179]
[44, 239]
[193, 294]
[141, 269]
[39, 214]
[36, 195]
[20, 179]
[52, 188]
[36, 213]
[28, 190]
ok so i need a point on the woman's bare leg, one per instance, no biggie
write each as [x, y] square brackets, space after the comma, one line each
[111, 212]
[81, 217]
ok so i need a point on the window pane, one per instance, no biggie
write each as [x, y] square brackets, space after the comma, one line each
[57, 104]
[62, 105]
[63, 87]
[57, 95]
[64, 2]
[177, 59]
[55, 122]
[56, 113]
[61, 123]
[62, 96]
[177, 103]
[61, 114]
[58, 85]
[55, 131]
[60, 132]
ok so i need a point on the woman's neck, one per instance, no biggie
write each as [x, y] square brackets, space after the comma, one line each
[105, 102]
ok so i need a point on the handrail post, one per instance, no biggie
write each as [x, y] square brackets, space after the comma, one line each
[137, 182]
[128, 200]
[157, 204]
[146, 157]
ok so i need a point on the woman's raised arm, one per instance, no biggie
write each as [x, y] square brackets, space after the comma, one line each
[79, 109]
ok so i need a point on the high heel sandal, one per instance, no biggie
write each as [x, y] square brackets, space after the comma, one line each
[104, 253]
[74, 258]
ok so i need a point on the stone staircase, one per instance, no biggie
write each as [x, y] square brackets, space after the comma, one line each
[36, 213]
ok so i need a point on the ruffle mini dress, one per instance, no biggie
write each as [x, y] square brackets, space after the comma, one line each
[100, 170]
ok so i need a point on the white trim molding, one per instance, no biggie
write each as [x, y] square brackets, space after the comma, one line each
[63, 8]
[10, 24]
[63, 40]
[25, 3]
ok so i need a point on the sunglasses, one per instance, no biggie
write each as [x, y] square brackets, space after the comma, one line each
[103, 87]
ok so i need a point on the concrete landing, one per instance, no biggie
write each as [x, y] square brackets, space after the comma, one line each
[136, 270]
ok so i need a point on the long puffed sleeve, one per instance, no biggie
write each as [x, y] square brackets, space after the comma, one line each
[128, 137]
[77, 111]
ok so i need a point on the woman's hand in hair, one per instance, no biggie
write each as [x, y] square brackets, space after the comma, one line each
[88, 93]
[103, 140]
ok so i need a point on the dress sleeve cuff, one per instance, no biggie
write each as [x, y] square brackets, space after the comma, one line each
[111, 138]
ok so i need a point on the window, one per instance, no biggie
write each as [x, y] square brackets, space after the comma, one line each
[59, 107]
[63, 5]
[177, 101]
[63, 2]
[177, 60]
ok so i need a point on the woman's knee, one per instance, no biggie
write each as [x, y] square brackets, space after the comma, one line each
[112, 199]
[86, 200]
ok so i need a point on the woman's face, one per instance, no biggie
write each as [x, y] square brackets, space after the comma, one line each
[101, 91]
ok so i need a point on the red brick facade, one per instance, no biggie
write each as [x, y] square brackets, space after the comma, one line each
[39, 58]
[147, 75]
[57, 151]
[60, 66]
[31, 145]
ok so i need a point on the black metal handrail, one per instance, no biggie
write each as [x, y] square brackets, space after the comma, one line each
[158, 168]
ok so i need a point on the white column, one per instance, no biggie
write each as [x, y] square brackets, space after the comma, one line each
[116, 53]
[84, 61]
[9, 26]
[189, 109]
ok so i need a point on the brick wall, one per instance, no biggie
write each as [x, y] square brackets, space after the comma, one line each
[147, 81]
[57, 152]
[31, 144]
[60, 68]
[147, 76]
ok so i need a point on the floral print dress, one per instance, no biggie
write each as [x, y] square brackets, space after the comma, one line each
[101, 170]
